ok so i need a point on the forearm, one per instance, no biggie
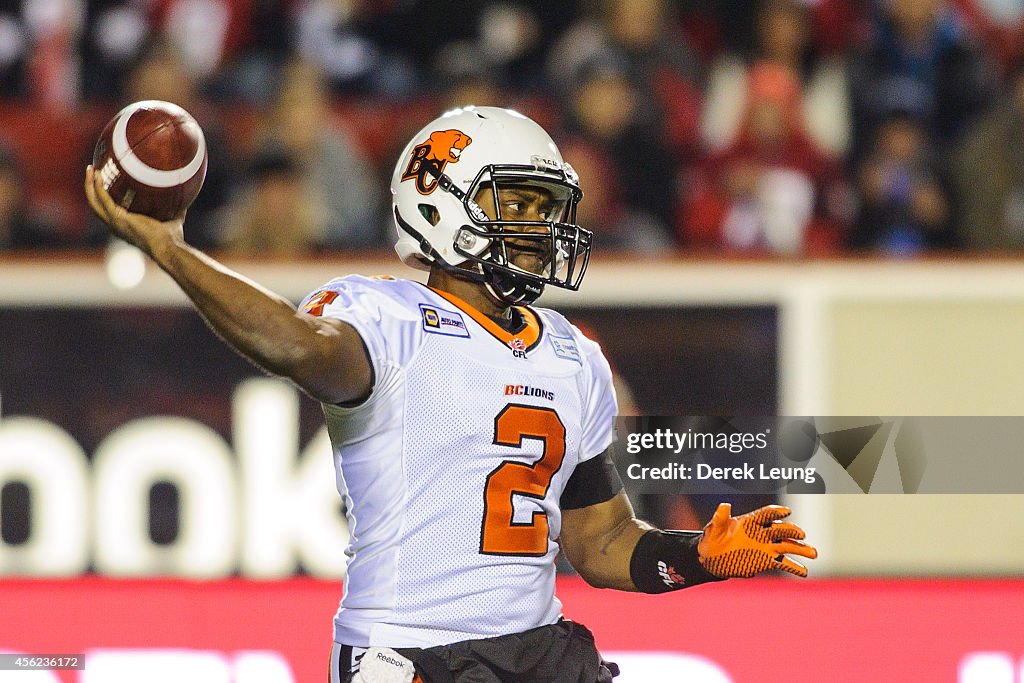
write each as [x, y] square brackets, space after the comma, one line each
[611, 548]
[607, 566]
[599, 540]
[259, 324]
[637, 557]
[323, 356]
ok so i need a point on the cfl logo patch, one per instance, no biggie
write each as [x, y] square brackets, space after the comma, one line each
[669, 575]
[518, 347]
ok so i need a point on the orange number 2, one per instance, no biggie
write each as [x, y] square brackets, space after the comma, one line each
[500, 534]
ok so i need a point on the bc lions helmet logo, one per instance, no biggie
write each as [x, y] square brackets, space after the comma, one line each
[429, 158]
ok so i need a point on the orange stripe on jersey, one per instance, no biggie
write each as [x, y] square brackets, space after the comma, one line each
[315, 306]
[529, 335]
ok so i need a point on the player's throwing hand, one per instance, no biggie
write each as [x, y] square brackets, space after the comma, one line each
[140, 230]
[740, 547]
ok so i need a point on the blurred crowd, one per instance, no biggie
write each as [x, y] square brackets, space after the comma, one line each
[764, 127]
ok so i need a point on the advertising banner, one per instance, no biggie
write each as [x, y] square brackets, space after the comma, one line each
[242, 631]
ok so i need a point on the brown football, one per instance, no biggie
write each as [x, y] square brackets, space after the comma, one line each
[151, 158]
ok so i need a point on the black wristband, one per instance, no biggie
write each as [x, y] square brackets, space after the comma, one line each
[666, 561]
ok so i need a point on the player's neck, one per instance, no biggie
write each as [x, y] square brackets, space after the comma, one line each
[473, 293]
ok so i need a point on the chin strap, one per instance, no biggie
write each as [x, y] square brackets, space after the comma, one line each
[503, 287]
[511, 290]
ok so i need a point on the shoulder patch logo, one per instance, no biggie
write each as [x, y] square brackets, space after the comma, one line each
[429, 158]
[565, 348]
[518, 347]
[439, 321]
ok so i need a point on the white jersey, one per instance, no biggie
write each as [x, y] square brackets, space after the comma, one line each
[452, 470]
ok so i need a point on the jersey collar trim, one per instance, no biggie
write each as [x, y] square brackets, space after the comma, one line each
[529, 335]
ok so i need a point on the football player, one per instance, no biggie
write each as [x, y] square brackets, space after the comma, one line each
[470, 429]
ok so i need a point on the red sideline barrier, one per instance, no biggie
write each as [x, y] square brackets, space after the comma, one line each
[752, 631]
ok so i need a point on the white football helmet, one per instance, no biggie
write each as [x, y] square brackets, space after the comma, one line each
[434, 198]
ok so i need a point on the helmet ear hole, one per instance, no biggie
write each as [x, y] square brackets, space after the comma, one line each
[430, 212]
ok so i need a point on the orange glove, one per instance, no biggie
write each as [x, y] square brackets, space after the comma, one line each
[740, 547]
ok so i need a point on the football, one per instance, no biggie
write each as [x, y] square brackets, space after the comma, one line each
[151, 158]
